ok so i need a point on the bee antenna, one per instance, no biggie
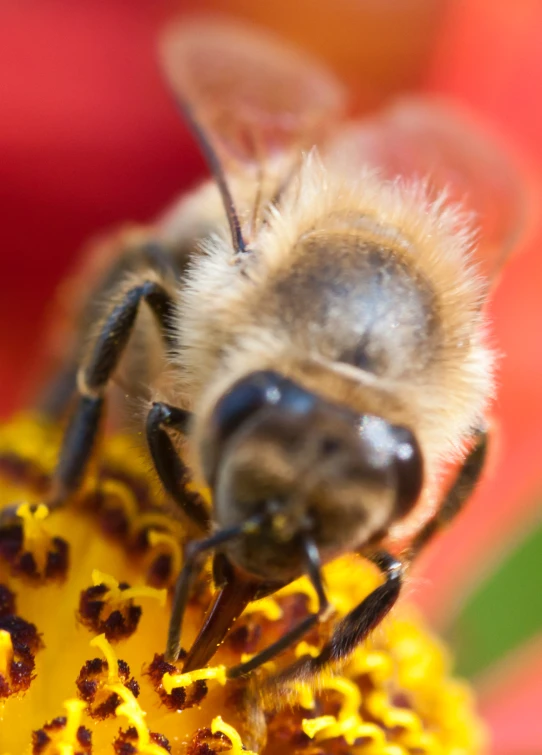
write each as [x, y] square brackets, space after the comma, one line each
[314, 567]
[213, 162]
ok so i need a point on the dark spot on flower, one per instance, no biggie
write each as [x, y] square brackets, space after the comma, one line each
[96, 614]
[294, 607]
[204, 742]
[26, 565]
[39, 740]
[245, 637]
[138, 486]
[287, 729]
[84, 737]
[126, 742]
[181, 698]
[23, 563]
[26, 642]
[140, 540]
[401, 700]
[133, 686]
[25, 472]
[24, 635]
[161, 741]
[11, 541]
[114, 521]
[160, 666]
[42, 737]
[106, 708]
[92, 686]
[159, 573]
[7, 601]
[56, 724]
[57, 559]
[87, 689]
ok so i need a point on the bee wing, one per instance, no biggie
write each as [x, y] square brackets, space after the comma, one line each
[247, 94]
[418, 139]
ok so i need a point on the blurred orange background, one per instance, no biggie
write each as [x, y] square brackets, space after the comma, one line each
[90, 138]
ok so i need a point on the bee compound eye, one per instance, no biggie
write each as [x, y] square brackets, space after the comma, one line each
[244, 398]
[257, 391]
[409, 465]
[252, 393]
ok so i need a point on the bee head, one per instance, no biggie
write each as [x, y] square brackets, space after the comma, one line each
[308, 465]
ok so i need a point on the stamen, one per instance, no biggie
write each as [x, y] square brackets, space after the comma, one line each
[156, 520]
[68, 737]
[116, 595]
[305, 648]
[305, 696]
[351, 695]
[313, 726]
[379, 706]
[328, 727]
[219, 725]
[347, 723]
[115, 491]
[377, 665]
[102, 643]
[36, 540]
[6, 653]
[172, 681]
[157, 539]
[268, 607]
[131, 710]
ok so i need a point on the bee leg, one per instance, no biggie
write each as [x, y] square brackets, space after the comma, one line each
[295, 634]
[93, 377]
[193, 562]
[132, 251]
[170, 468]
[455, 499]
[356, 625]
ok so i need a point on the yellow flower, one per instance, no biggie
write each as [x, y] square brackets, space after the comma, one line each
[84, 608]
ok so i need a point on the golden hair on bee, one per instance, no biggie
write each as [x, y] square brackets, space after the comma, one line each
[320, 308]
[229, 325]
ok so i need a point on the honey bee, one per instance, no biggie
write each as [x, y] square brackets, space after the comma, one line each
[314, 316]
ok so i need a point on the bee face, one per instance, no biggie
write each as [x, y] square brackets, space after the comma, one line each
[307, 465]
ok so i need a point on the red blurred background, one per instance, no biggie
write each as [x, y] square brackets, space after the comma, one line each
[90, 138]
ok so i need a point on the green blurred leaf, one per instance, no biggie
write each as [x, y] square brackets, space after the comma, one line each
[504, 611]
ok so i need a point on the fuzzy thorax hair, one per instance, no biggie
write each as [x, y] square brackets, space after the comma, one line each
[227, 325]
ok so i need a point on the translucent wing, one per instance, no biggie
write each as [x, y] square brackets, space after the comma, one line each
[250, 94]
[429, 141]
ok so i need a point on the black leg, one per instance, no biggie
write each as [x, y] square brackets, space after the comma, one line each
[94, 376]
[78, 443]
[356, 625]
[193, 562]
[455, 499]
[295, 634]
[133, 253]
[170, 468]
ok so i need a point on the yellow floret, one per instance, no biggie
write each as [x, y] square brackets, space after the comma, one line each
[354, 711]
